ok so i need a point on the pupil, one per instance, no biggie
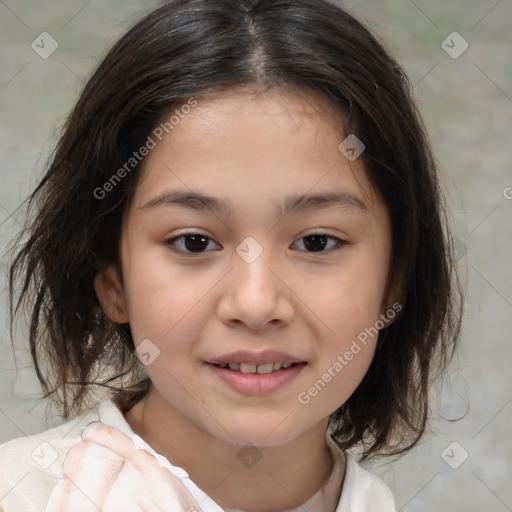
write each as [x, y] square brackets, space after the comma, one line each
[199, 242]
[318, 242]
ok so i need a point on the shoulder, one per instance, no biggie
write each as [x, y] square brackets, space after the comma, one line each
[364, 491]
[31, 466]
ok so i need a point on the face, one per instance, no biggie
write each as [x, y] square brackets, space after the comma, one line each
[251, 276]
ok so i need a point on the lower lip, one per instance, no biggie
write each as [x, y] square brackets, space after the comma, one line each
[254, 383]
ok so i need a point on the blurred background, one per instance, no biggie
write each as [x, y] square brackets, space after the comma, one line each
[458, 55]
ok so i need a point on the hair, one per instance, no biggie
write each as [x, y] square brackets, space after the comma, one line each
[193, 49]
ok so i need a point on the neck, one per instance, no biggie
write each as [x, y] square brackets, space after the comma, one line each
[248, 478]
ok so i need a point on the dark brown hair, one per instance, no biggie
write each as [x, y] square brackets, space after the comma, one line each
[191, 49]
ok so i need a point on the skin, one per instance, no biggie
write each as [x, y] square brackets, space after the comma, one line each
[105, 472]
[251, 150]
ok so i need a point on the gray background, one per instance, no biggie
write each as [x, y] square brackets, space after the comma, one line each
[467, 105]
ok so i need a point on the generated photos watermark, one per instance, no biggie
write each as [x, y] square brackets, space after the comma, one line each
[342, 361]
[151, 142]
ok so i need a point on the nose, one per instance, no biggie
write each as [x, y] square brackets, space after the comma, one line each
[256, 294]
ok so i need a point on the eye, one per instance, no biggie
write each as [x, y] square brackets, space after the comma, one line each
[316, 242]
[189, 243]
[196, 243]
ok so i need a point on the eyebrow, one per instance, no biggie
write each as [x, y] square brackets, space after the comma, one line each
[295, 203]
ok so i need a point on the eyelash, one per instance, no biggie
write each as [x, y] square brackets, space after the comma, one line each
[172, 241]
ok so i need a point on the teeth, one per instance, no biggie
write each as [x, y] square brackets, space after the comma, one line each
[256, 368]
[248, 368]
[265, 368]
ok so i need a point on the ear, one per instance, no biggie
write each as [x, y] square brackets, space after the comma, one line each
[109, 291]
[392, 307]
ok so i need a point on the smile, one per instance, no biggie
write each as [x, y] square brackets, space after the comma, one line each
[256, 368]
[255, 379]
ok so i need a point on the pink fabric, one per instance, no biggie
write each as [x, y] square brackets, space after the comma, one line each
[326, 499]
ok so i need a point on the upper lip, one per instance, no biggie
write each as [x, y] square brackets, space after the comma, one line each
[265, 357]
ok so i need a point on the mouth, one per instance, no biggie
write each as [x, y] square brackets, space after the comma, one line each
[261, 369]
[253, 378]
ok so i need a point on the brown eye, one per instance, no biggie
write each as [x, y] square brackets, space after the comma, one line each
[319, 241]
[193, 243]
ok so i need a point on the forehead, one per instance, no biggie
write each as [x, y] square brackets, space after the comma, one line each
[297, 105]
[254, 147]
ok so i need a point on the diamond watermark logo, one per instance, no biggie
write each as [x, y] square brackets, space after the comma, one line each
[44, 45]
[249, 250]
[147, 352]
[249, 455]
[454, 455]
[351, 147]
[44, 455]
[454, 45]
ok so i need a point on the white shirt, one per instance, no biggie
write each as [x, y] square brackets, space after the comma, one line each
[31, 466]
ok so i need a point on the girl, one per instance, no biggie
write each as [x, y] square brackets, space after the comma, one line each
[240, 235]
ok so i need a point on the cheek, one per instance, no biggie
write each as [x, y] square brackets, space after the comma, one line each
[338, 379]
[165, 301]
[343, 360]
[350, 300]
[349, 306]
